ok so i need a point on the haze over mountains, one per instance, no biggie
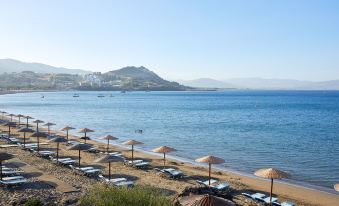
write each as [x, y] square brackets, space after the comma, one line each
[12, 65]
[145, 77]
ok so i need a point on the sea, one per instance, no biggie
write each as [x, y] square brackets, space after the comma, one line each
[294, 131]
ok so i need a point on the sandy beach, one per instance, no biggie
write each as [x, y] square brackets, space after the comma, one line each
[81, 184]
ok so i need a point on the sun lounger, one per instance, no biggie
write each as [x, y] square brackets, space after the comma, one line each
[45, 153]
[287, 204]
[257, 196]
[12, 178]
[206, 183]
[13, 182]
[119, 182]
[81, 168]
[72, 142]
[10, 172]
[220, 187]
[171, 172]
[267, 199]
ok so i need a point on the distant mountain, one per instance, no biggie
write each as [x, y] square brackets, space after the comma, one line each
[206, 83]
[261, 83]
[140, 73]
[11, 65]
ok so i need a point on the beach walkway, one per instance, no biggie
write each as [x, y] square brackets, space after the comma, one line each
[48, 179]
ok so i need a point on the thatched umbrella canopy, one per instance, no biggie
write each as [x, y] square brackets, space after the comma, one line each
[25, 130]
[58, 140]
[79, 147]
[20, 116]
[132, 142]
[271, 173]
[37, 124]
[3, 114]
[85, 131]
[164, 149]
[210, 160]
[27, 118]
[336, 187]
[4, 156]
[67, 128]
[108, 159]
[205, 200]
[38, 135]
[49, 124]
[9, 124]
[108, 138]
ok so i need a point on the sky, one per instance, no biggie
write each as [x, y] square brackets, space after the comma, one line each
[178, 39]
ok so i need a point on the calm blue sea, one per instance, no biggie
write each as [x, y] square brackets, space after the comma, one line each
[296, 131]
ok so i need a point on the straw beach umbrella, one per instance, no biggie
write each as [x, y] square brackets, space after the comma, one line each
[4, 156]
[38, 135]
[164, 149]
[25, 130]
[49, 124]
[108, 138]
[205, 200]
[132, 142]
[27, 118]
[11, 115]
[10, 124]
[336, 187]
[108, 159]
[210, 160]
[58, 140]
[20, 116]
[271, 173]
[79, 147]
[67, 128]
[85, 131]
[37, 124]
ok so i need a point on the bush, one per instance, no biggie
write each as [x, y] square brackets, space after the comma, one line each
[138, 196]
[33, 202]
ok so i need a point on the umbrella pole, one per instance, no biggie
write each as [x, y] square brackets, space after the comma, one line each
[132, 153]
[79, 158]
[9, 131]
[49, 131]
[24, 139]
[109, 170]
[209, 173]
[67, 134]
[0, 169]
[27, 123]
[57, 151]
[164, 159]
[19, 121]
[85, 137]
[107, 144]
[37, 127]
[271, 191]
[38, 143]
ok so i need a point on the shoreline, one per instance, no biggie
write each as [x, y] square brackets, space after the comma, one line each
[294, 183]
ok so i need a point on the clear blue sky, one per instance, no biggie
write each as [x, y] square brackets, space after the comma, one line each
[178, 39]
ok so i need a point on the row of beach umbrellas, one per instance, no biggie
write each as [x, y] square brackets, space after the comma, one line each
[269, 173]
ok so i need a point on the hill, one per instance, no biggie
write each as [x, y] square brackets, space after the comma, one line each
[12, 65]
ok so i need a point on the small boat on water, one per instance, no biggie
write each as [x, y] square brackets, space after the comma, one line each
[42, 96]
[123, 91]
[101, 95]
[76, 95]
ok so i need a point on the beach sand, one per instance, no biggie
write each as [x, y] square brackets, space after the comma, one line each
[299, 195]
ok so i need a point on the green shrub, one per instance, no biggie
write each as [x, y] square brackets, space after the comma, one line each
[138, 196]
[33, 202]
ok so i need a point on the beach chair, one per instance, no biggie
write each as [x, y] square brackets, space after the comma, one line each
[267, 199]
[171, 173]
[221, 187]
[118, 182]
[10, 172]
[287, 204]
[205, 183]
[13, 182]
[44, 153]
